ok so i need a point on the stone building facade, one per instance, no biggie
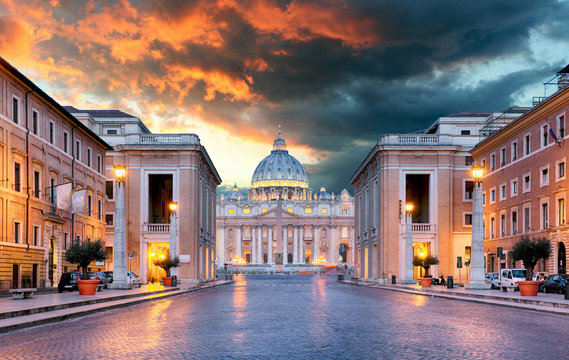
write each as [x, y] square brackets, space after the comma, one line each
[281, 223]
[525, 183]
[161, 168]
[431, 170]
[45, 154]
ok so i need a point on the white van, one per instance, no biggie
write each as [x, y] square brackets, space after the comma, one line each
[510, 277]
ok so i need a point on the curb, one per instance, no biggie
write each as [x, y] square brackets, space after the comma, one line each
[146, 298]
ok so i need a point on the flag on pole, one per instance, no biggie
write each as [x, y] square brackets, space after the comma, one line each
[63, 195]
[552, 133]
[78, 201]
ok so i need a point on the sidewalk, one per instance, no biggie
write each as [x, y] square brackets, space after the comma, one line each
[50, 307]
[550, 303]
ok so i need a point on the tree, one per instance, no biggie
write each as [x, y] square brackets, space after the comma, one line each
[83, 254]
[167, 264]
[530, 252]
[425, 262]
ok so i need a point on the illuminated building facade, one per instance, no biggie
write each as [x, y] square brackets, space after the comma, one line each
[281, 222]
[160, 169]
[47, 158]
[430, 170]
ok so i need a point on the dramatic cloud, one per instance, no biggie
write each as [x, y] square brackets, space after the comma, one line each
[335, 74]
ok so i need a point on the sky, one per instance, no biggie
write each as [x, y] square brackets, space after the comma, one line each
[334, 74]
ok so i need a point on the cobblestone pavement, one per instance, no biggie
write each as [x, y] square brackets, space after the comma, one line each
[298, 317]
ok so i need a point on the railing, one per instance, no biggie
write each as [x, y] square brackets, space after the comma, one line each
[177, 139]
[423, 228]
[418, 139]
[156, 228]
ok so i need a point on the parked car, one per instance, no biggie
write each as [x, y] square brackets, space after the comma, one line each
[104, 277]
[492, 279]
[133, 278]
[510, 277]
[68, 281]
[109, 274]
[539, 276]
[554, 283]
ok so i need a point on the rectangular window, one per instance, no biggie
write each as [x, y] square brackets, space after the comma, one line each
[527, 183]
[36, 184]
[544, 215]
[502, 156]
[78, 150]
[514, 150]
[109, 189]
[15, 111]
[514, 222]
[544, 136]
[65, 142]
[503, 192]
[544, 176]
[51, 132]
[468, 189]
[99, 163]
[502, 225]
[16, 232]
[248, 210]
[492, 227]
[468, 161]
[514, 187]
[17, 177]
[560, 212]
[561, 170]
[88, 157]
[230, 211]
[109, 219]
[89, 205]
[65, 240]
[484, 199]
[324, 211]
[492, 196]
[527, 224]
[344, 209]
[99, 208]
[111, 132]
[561, 127]
[492, 162]
[467, 219]
[308, 210]
[35, 122]
[78, 239]
[527, 144]
[36, 235]
[464, 132]
[52, 194]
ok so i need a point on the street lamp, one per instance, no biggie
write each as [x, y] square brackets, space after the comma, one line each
[477, 242]
[119, 248]
[173, 206]
[408, 274]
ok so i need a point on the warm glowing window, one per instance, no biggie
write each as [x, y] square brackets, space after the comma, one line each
[308, 210]
[246, 211]
[344, 231]
[230, 211]
[324, 211]
[290, 210]
[264, 210]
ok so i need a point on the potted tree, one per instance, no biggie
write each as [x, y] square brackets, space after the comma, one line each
[425, 262]
[167, 264]
[530, 252]
[83, 254]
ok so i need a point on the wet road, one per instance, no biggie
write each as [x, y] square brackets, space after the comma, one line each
[298, 317]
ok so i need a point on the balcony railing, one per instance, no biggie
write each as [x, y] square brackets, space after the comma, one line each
[156, 228]
[175, 139]
[423, 228]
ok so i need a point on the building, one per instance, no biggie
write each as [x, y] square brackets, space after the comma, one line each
[45, 156]
[430, 170]
[161, 169]
[281, 226]
[525, 183]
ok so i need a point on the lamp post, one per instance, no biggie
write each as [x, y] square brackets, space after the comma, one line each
[173, 243]
[477, 243]
[408, 274]
[119, 248]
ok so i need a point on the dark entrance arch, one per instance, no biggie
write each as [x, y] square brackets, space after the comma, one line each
[561, 259]
[344, 252]
[289, 258]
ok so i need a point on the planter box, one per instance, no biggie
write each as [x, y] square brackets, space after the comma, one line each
[528, 288]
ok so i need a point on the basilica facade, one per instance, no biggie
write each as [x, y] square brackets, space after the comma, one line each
[281, 223]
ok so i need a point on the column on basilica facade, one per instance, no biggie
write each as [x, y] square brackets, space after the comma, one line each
[238, 245]
[295, 244]
[301, 240]
[259, 244]
[331, 259]
[285, 245]
[314, 242]
[270, 246]
[253, 248]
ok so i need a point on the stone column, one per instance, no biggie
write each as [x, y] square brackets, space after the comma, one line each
[477, 244]
[270, 246]
[238, 245]
[408, 274]
[301, 257]
[260, 243]
[119, 248]
[314, 242]
[285, 245]
[295, 230]
[173, 241]
[253, 247]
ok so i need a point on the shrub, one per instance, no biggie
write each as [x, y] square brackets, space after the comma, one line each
[530, 252]
[167, 264]
[425, 262]
[83, 254]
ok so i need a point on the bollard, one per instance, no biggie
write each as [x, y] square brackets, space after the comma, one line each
[340, 277]
[566, 290]
[174, 280]
[393, 279]
[449, 282]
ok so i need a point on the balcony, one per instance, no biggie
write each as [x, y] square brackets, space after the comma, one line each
[173, 139]
[156, 228]
[424, 228]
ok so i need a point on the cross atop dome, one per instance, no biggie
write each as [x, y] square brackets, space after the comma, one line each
[279, 144]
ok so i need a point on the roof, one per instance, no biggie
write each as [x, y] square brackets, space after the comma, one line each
[30, 84]
[470, 114]
[100, 113]
[565, 70]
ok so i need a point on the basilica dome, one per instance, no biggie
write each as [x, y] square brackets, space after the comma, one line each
[279, 169]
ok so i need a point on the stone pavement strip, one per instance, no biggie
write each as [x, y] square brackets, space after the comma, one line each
[53, 307]
[550, 303]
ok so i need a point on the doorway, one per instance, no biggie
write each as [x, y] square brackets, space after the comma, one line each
[15, 276]
[561, 259]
